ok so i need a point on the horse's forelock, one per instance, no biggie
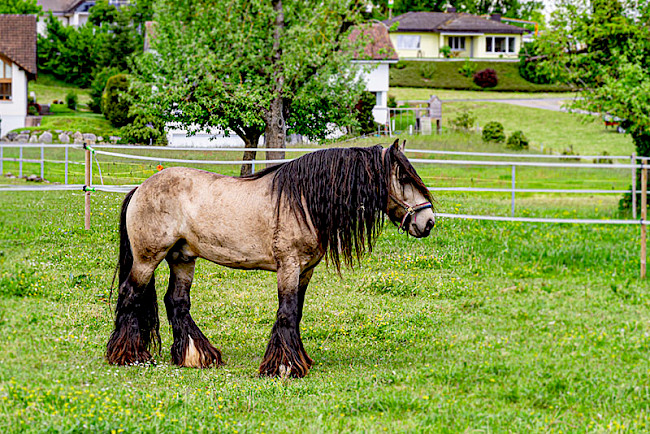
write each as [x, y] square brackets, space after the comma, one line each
[395, 158]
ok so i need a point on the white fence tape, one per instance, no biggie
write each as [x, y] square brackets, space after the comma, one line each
[543, 220]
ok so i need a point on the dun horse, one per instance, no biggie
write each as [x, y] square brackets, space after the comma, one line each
[286, 219]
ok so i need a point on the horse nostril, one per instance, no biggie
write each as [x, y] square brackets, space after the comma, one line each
[430, 224]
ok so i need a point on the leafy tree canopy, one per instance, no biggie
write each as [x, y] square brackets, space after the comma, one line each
[523, 9]
[252, 67]
[602, 48]
[107, 40]
[21, 7]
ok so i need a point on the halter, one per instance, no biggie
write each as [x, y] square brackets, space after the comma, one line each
[410, 211]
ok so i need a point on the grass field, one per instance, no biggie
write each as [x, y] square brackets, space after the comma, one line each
[482, 327]
[48, 89]
[419, 93]
[446, 75]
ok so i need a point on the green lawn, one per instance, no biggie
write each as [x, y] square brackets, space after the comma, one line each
[81, 121]
[48, 89]
[445, 75]
[555, 131]
[481, 327]
[418, 93]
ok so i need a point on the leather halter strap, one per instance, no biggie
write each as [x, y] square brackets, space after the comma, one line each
[410, 210]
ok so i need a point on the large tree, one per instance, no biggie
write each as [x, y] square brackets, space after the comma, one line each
[523, 9]
[20, 7]
[252, 67]
[602, 49]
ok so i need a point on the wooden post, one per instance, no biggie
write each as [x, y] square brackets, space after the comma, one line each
[633, 161]
[644, 213]
[87, 195]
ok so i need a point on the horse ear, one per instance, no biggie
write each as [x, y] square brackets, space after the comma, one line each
[397, 146]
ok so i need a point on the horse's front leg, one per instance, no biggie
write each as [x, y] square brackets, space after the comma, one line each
[285, 347]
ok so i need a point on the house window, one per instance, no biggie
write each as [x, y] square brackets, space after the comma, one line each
[500, 44]
[457, 43]
[408, 42]
[5, 80]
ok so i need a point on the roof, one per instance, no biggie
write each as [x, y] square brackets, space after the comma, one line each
[18, 40]
[449, 22]
[379, 45]
[58, 6]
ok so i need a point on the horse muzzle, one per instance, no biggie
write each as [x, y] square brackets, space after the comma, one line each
[417, 232]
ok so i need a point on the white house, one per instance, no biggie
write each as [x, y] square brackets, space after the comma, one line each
[17, 67]
[378, 53]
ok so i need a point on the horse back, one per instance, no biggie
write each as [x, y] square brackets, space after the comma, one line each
[229, 221]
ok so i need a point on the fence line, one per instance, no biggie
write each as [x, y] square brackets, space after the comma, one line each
[263, 149]
[544, 220]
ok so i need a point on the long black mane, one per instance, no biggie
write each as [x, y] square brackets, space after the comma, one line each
[345, 191]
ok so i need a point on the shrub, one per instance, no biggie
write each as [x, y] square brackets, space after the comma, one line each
[604, 159]
[144, 130]
[493, 132]
[114, 104]
[364, 108]
[517, 140]
[486, 78]
[530, 70]
[468, 69]
[427, 70]
[32, 110]
[400, 65]
[392, 102]
[445, 50]
[71, 100]
[464, 120]
[97, 86]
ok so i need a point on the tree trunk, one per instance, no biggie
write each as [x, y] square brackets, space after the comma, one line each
[275, 131]
[250, 142]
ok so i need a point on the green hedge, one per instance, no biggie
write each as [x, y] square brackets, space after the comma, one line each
[409, 74]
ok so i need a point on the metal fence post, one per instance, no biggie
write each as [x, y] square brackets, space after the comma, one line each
[513, 192]
[42, 162]
[66, 164]
[20, 163]
[644, 212]
[87, 179]
[633, 158]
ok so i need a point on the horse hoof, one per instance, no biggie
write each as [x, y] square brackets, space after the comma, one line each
[200, 354]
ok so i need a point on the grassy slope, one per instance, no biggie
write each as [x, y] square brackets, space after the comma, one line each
[445, 75]
[423, 94]
[48, 89]
[556, 131]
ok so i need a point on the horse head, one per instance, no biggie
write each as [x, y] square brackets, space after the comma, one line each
[409, 202]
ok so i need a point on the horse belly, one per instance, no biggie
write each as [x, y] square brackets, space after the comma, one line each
[236, 253]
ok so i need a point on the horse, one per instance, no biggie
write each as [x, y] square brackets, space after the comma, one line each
[286, 218]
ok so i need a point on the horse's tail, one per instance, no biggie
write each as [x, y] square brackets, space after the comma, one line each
[126, 345]
[125, 261]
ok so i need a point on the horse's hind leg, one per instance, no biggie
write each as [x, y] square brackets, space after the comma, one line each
[190, 348]
[136, 316]
[285, 348]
